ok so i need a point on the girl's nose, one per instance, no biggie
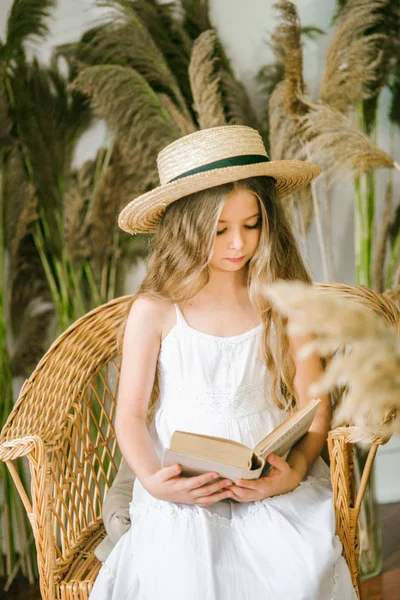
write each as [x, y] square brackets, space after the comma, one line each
[236, 240]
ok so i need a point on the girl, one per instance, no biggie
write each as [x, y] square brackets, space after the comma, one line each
[204, 351]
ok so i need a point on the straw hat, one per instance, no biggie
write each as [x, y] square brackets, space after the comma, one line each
[209, 158]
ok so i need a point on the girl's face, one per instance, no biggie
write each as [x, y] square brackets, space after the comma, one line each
[238, 231]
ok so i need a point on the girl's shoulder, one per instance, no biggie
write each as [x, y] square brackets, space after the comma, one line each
[156, 312]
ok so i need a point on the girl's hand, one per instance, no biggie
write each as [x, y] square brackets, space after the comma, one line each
[280, 480]
[167, 484]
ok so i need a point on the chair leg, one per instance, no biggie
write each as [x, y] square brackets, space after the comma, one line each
[341, 466]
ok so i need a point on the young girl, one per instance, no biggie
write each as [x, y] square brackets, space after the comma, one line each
[205, 352]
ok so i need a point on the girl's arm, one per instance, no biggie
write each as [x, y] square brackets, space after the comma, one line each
[286, 475]
[141, 346]
[140, 351]
[307, 450]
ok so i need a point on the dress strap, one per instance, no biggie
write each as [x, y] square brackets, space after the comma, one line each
[180, 319]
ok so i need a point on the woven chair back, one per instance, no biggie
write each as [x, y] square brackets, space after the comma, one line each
[63, 419]
[69, 403]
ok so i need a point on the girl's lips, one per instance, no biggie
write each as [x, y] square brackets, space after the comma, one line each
[236, 259]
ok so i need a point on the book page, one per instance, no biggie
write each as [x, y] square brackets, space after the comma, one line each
[289, 431]
[286, 440]
[208, 447]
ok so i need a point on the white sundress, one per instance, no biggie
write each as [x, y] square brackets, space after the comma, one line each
[280, 548]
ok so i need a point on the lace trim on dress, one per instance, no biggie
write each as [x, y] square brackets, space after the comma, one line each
[335, 581]
[223, 403]
[171, 510]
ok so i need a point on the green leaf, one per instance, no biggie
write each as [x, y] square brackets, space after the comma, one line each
[27, 19]
[48, 122]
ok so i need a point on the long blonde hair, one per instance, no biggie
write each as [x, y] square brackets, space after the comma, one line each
[178, 268]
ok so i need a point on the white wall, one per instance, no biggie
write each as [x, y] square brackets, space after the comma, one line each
[244, 27]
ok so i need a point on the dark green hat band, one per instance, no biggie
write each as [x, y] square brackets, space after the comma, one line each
[233, 161]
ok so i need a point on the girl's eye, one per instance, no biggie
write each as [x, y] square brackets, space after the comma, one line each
[256, 226]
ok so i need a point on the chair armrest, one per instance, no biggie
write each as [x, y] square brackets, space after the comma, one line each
[347, 505]
[12, 449]
[353, 434]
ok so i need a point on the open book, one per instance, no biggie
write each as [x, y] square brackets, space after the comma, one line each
[204, 453]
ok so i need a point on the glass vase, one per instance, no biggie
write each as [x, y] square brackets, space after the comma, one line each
[370, 531]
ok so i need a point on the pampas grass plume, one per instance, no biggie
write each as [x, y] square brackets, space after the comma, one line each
[368, 365]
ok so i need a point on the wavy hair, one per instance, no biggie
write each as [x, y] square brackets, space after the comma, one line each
[178, 268]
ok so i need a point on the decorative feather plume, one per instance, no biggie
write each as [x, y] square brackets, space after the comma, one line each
[124, 40]
[286, 103]
[287, 144]
[19, 201]
[339, 144]
[298, 301]
[50, 122]
[131, 108]
[26, 281]
[394, 295]
[196, 17]
[184, 123]
[268, 78]
[114, 178]
[238, 109]
[205, 81]
[353, 56]
[304, 203]
[370, 373]
[33, 339]
[285, 39]
[373, 380]
[27, 19]
[167, 31]
[108, 201]
[285, 140]
[287, 47]
[27, 216]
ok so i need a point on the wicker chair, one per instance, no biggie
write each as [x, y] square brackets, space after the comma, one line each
[63, 422]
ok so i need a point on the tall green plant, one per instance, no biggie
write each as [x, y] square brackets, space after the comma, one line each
[367, 36]
[362, 56]
[26, 19]
[383, 27]
[57, 244]
[135, 69]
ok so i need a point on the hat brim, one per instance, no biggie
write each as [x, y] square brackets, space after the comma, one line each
[143, 214]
